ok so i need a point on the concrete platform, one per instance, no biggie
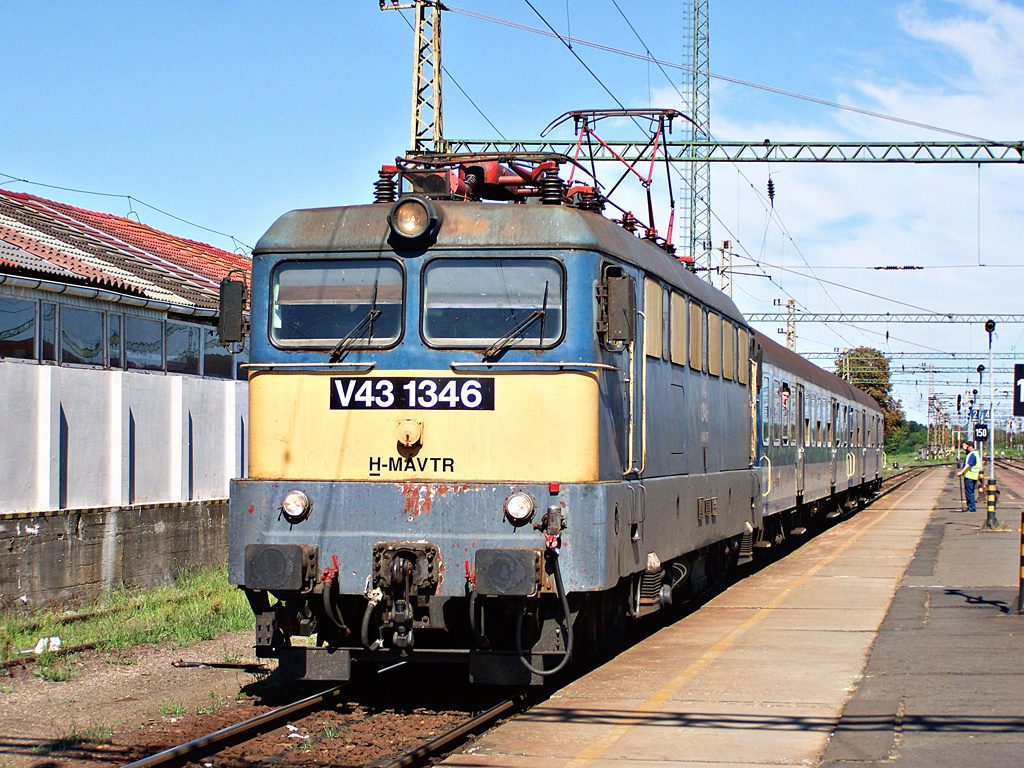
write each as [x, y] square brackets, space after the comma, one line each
[766, 672]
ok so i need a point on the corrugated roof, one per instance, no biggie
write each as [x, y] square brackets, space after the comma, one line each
[61, 241]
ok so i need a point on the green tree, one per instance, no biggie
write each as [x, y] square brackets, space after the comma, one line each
[868, 370]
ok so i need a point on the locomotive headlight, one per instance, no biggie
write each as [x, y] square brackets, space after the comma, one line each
[414, 217]
[296, 506]
[519, 508]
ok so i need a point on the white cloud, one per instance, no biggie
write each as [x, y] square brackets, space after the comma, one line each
[960, 66]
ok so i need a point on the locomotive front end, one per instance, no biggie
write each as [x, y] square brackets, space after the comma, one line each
[415, 452]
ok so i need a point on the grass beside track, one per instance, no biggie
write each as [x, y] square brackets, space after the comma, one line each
[199, 605]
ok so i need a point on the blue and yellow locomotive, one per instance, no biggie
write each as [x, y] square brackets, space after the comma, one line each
[495, 432]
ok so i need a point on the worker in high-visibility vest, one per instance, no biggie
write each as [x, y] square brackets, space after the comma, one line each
[970, 471]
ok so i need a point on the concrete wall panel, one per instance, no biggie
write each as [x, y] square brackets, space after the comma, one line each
[80, 438]
[19, 423]
[84, 419]
[151, 434]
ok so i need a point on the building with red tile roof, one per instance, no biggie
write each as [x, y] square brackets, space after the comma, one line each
[55, 241]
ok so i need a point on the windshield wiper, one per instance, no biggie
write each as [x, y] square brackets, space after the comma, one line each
[346, 343]
[520, 330]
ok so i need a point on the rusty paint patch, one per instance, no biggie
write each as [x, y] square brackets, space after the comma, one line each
[419, 497]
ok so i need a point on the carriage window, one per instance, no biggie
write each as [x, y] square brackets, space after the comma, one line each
[743, 352]
[652, 318]
[728, 350]
[477, 302]
[317, 304]
[696, 336]
[677, 331]
[766, 409]
[785, 409]
[714, 344]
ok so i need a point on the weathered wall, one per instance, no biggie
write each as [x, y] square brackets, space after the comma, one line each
[112, 477]
[73, 438]
[71, 557]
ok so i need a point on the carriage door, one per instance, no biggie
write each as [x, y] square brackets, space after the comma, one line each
[800, 438]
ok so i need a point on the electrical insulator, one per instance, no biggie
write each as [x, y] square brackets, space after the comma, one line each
[771, 192]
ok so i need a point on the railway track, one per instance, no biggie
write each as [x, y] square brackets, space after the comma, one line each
[293, 716]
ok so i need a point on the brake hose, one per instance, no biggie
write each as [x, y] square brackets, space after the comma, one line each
[331, 610]
[560, 589]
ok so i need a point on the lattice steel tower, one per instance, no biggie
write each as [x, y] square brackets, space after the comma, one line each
[697, 204]
[427, 134]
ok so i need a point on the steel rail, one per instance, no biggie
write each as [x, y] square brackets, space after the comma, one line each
[420, 755]
[240, 732]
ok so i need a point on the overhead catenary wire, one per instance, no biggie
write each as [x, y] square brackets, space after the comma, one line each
[568, 41]
[130, 198]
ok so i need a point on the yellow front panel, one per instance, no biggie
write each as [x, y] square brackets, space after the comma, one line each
[543, 428]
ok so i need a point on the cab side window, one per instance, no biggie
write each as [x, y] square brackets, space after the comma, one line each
[696, 336]
[677, 328]
[652, 318]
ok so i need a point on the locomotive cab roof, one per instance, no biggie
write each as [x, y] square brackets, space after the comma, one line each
[487, 226]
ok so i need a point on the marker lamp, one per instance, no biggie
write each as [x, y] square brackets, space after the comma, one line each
[296, 506]
[519, 508]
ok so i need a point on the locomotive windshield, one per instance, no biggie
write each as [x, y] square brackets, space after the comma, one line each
[493, 302]
[316, 304]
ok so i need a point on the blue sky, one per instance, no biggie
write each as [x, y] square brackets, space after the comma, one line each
[227, 114]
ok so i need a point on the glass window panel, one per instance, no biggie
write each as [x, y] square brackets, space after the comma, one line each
[677, 332]
[766, 408]
[217, 359]
[714, 344]
[728, 350]
[81, 336]
[696, 332]
[48, 331]
[182, 348]
[114, 341]
[704, 340]
[316, 304]
[652, 318]
[144, 343]
[18, 328]
[477, 302]
[743, 353]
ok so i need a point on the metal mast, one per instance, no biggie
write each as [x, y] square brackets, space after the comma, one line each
[697, 217]
[427, 134]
